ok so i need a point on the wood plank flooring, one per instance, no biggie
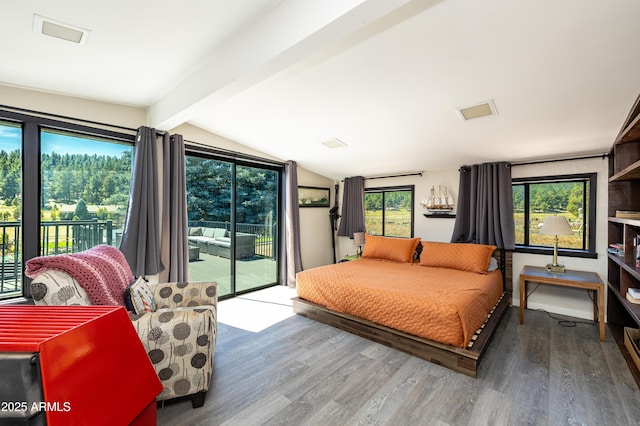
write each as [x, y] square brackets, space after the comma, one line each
[289, 370]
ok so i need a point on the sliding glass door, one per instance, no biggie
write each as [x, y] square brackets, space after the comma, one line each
[233, 223]
[256, 227]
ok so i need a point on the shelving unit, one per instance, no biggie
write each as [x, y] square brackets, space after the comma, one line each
[624, 195]
[440, 215]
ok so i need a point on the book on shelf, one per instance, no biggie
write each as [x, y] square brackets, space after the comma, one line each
[634, 292]
[615, 252]
[632, 299]
[627, 214]
[616, 248]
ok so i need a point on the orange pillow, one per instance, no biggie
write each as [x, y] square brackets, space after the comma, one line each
[390, 248]
[465, 257]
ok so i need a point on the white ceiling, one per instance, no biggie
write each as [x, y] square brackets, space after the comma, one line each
[383, 76]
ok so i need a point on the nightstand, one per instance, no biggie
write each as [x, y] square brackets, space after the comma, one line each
[578, 279]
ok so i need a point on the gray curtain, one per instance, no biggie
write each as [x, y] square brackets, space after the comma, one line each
[352, 207]
[292, 223]
[140, 240]
[485, 206]
[175, 246]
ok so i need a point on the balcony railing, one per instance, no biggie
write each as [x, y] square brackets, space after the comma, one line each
[266, 241]
[72, 236]
[56, 237]
[11, 267]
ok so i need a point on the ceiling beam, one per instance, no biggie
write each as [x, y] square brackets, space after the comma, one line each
[293, 31]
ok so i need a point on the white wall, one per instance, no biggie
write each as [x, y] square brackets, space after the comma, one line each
[315, 227]
[564, 301]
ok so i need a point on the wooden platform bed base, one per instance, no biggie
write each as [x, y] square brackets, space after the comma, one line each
[464, 361]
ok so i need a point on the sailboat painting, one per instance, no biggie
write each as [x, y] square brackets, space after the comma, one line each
[438, 201]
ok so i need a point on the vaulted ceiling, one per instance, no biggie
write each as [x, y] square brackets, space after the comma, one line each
[383, 76]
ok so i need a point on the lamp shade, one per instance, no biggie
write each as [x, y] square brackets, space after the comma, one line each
[358, 238]
[556, 225]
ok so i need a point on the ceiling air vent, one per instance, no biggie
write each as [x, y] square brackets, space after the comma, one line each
[52, 28]
[334, 143]
[476, 111]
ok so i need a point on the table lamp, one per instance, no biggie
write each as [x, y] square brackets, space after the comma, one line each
[358, 241]
[556, 225]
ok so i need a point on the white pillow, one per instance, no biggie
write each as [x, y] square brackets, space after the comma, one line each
[493, 265]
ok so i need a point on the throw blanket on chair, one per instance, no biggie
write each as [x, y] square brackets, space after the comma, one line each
[102, 271]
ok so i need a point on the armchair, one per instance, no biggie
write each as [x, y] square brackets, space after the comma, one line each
[179, 336]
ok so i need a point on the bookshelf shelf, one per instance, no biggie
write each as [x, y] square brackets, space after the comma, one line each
[624, 196]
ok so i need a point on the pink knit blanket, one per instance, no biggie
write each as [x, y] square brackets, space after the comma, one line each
[102, 271]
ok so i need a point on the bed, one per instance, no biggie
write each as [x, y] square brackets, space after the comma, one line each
[442, 307]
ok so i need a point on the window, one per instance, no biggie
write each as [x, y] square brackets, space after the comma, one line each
[572, 196]
[389, 211]
[65, 188]
[85, 184]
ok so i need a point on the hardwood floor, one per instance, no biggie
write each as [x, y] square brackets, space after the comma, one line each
[273, 367]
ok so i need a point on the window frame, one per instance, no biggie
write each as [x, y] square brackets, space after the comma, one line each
[245, 160]
[592, 179]
[32, 126]
[385, 189]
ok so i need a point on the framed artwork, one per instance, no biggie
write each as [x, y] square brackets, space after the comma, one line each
[310, 196]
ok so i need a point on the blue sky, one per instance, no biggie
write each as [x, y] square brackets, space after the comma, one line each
[10, 139]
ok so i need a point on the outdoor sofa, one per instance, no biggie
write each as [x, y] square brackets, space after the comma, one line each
[217, 242]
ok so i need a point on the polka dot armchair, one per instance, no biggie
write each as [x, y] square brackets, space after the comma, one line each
[179, 336]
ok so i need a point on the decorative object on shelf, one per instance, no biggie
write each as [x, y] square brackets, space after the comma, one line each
[310, 196]
[358, 241]
[439, 201]
[556, 225]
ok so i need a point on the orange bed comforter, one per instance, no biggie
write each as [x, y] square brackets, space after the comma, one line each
[440, 304]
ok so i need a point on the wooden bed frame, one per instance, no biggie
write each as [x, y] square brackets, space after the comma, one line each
[464, 361]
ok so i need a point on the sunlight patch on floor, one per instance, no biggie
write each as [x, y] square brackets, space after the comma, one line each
[258, 310]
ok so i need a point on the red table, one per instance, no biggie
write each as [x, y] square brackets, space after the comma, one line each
[75, 365]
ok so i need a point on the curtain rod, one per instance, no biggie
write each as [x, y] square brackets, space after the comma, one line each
[391, 176]
[603, 156]
[526, 163]
[467, 168]
[394, 176]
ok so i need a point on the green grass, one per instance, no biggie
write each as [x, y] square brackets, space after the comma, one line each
[398, 222]
[535, 238]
